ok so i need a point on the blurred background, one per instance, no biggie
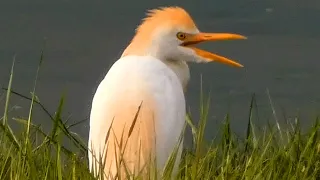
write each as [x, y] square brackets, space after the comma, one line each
[84, 38]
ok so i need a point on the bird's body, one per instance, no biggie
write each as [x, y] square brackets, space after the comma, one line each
[147, 82]
[138, 111]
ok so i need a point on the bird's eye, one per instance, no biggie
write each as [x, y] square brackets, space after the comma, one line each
[181, 35]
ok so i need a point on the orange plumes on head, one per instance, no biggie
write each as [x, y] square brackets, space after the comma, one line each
[166, 17]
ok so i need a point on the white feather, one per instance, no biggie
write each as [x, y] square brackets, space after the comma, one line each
[134, 77]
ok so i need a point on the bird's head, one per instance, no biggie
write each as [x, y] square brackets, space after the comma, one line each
[170, 34]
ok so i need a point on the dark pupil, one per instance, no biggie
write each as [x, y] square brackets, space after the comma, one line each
[181, 35]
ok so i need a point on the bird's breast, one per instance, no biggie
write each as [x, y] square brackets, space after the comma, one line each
[143, 85]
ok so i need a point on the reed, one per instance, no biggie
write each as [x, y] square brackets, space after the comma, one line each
[270, 153]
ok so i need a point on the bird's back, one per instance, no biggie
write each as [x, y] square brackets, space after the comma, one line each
[143, 100]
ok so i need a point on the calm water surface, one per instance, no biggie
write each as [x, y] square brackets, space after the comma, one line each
[84, 38]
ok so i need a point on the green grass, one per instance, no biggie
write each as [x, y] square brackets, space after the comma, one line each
[271, 152]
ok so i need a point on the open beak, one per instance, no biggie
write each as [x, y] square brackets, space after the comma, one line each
[201, 37]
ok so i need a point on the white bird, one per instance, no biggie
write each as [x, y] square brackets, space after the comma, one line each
[149, 81]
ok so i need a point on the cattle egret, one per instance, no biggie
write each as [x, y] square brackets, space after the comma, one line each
[138, 111]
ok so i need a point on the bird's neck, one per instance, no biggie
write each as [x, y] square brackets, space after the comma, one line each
[140, 46]
[181, 69]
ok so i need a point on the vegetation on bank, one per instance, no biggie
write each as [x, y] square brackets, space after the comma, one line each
[269, 153]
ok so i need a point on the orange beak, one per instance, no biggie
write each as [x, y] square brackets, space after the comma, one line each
[201, 37]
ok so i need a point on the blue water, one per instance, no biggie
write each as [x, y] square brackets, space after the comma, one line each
[84, 38]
